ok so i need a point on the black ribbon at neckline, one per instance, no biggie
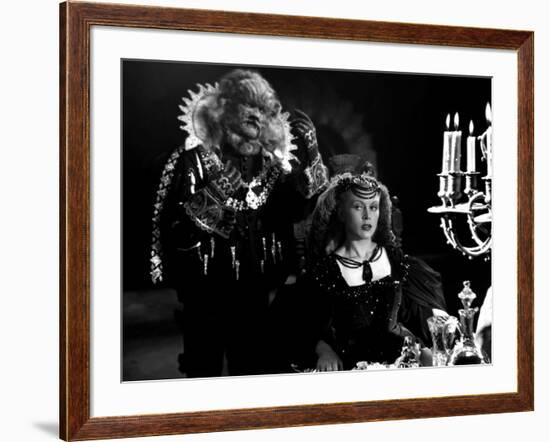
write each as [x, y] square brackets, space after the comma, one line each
[353, 264]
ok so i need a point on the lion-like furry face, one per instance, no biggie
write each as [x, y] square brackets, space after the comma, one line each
[250, 113]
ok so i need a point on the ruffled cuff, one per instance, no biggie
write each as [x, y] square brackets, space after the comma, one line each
[316, 177]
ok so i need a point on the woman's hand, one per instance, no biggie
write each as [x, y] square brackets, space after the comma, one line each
[440, 313]
[327, 360]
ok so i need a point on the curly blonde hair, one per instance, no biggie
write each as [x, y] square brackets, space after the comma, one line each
[327, 229]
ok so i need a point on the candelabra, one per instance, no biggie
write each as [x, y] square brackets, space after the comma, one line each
[469, 205]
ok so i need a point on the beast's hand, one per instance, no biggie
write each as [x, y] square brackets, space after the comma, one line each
[304, 131]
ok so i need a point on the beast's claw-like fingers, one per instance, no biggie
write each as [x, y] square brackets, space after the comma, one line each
[302, 115]
[302, 126]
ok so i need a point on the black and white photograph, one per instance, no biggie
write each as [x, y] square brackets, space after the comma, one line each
[278, 220]
[282, 220]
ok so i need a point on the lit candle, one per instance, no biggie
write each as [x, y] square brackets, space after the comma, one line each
[471, 150]
[447, 134]
[489, 139]
[456, 141]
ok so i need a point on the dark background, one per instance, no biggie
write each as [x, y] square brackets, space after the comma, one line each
[394, 120]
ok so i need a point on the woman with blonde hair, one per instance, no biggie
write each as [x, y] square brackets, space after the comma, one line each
[364, 295]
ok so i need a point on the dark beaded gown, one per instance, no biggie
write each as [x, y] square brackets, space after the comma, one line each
[369, 322]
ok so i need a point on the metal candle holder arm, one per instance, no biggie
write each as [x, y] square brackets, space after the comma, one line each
[469, 204]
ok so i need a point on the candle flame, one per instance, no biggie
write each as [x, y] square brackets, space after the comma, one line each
[456, 121]
[488, 113]
[471, 127]
[448, 121]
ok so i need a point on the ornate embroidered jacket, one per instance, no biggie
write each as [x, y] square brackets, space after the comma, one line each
[245, 221]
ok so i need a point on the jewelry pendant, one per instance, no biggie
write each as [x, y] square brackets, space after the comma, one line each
[264, 248]
[273, 245]
[262, 265]
[237, 267]
[252, 199]
[280, 250]
[212, 247]
[233, 254]
[205, 262]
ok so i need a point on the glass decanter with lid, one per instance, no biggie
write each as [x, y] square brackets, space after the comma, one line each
[465, 351]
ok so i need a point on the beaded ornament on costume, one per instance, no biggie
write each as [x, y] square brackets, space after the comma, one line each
[164, 186]
[265, 181]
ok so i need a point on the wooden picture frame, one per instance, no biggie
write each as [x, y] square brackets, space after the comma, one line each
[76, 20]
